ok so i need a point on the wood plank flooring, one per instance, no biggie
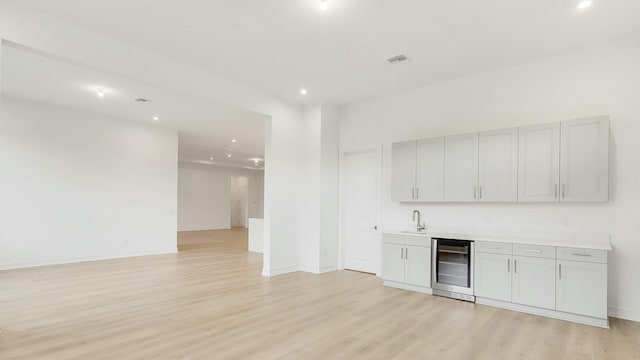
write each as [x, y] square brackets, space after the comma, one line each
[210, 302]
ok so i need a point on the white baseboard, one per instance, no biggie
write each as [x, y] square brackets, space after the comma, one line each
[587, 320]
[404, 286]
[624, 314]
[280, 270]
[39, 263]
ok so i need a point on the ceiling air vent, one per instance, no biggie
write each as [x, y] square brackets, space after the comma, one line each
[398, 59]
[142, 100]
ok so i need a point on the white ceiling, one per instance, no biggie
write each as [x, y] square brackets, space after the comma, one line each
[339, 55]
[205, 129]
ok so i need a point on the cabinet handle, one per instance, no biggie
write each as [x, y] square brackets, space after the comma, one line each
[533, 251]
[475, 192]
[508, 265]
[406, 254]
[577, 254]
[560, 270]
[515, 266]
[564, 187]
[417, 193]
[555, 192]
[480, 192]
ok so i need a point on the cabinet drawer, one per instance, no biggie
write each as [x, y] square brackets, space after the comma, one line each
[494, 247]
[548, 252]
[584, 255]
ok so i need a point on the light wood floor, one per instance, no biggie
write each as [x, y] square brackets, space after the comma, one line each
[210, 302]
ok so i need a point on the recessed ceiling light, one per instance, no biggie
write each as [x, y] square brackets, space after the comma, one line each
[156, 118]
[211, 158]
[228, 155]
[583, 5]
[323, 5]
[233, 140]
[100, 93]
[303, 91]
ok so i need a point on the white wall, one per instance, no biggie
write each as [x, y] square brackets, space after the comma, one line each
[204, 196]
[283, 179]
[319, 230]
[602, 80]
[77, 186]
[239, 201]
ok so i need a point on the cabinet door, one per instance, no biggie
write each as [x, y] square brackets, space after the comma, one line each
[581, 288]
[430, 170]
[539, 163]
[492, 276]
[534, 282]
[417, 266]
[584, 160]
[403, 171]
[461, 168]
[393, 262]
[498, 166]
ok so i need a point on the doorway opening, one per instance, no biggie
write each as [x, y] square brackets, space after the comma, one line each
[239, 201]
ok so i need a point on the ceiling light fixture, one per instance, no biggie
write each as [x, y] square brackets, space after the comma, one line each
[233, 140]
[228, 155]
[100, 93]
[211, 158]
[303, 91]
[583, 5]
[156, 118]
[323, 5]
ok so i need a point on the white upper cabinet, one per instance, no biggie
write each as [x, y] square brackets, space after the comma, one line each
[584, 159]
[430, 169]
[403, 171]
[461, 168]
[498, 166]
[539, 163]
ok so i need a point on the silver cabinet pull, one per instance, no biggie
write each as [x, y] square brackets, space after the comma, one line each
[560, 271]
[417, 193]
[475, 192]
[515, 266]
[577, 254]
[533, 251]
[480, 192]
[555, 192]
[508, 265]
[564, 192]
[406, 254]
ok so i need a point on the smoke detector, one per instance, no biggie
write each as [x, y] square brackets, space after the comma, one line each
[142, 100]
[397, 59]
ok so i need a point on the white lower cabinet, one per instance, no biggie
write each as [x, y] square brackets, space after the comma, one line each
[534, 281]
[417, 265]
[393, 262]
[566, 283]
[581, 288]
[492, 278]
[407, 260]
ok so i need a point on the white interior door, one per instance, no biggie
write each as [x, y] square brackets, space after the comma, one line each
[360, 201]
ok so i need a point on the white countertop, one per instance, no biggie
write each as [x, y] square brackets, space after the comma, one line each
[583, 241]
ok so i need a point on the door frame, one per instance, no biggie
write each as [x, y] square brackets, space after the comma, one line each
[341, 206]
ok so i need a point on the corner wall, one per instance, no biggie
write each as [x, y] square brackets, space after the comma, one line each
[594, 81]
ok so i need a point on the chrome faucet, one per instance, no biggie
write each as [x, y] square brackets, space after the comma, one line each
[420, 226]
